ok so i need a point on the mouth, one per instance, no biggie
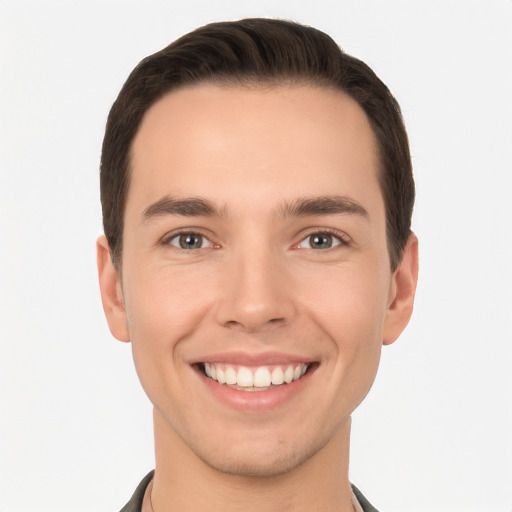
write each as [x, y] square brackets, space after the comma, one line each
[254, 378]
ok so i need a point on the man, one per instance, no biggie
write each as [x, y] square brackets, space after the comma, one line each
[257, 196]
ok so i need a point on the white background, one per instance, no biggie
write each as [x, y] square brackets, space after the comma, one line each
[435, 434]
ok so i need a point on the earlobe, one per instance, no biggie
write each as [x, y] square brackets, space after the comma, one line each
[402, 292]
[111, 292]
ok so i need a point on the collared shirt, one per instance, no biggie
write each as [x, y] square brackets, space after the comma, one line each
[360, 503]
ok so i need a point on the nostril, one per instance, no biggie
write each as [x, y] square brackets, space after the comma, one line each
[255, 324]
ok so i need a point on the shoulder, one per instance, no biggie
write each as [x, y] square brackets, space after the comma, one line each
[135, 503]
[365, 504]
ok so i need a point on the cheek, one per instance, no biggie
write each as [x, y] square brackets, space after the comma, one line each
[165, 303]
[351, 311]
[164, 307]
[355, 330]
[350, 300]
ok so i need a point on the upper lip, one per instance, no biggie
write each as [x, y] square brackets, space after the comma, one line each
[252, 359]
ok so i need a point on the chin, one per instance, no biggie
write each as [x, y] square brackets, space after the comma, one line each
[256, 462]
[250, 467]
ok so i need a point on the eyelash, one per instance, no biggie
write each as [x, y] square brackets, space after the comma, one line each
[167, 240]
[341, 238]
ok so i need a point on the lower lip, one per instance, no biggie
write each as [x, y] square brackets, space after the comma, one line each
[257, 401]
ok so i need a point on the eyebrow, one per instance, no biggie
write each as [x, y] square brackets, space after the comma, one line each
[186, 207]
[301, 207]
[323, 205]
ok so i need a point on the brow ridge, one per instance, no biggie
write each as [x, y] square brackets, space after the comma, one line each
[186, 207]
[322, 205]
[300, 207]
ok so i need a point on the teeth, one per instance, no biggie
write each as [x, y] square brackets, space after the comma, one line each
[278, 376]
[244, 377]
[221, 376]
[230, 375]
[262, 378]
[252, 378]
[288, 374]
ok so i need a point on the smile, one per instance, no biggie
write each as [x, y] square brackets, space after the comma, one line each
[260, 378]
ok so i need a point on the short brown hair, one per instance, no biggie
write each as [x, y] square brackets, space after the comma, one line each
[252, 51]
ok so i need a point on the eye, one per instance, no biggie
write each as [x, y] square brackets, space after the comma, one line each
[189, 241]
[321, 241]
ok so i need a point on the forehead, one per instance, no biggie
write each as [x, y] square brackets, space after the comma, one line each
[224, 141]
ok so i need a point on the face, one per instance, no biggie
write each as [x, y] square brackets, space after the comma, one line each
[256, 286]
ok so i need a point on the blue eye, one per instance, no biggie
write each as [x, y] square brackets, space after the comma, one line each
[320, 241]
[189, 241]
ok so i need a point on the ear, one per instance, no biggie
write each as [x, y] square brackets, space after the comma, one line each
[111, 292]
[402, 291]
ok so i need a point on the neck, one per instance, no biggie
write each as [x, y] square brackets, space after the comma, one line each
[184, 482]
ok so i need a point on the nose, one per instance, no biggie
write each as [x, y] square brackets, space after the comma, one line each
[257, 293]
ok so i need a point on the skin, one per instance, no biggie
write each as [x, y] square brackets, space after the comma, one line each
[255, 285]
